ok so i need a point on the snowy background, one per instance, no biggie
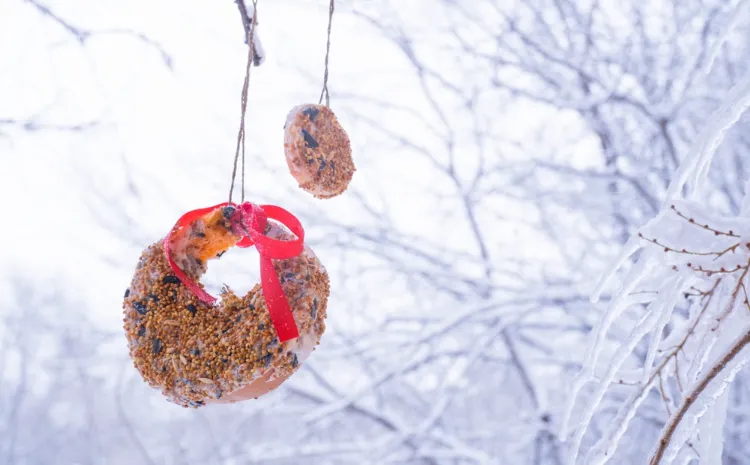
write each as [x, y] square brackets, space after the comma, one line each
[506, 151]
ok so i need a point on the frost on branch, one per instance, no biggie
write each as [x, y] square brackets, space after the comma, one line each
[685, 255]
[695, 260]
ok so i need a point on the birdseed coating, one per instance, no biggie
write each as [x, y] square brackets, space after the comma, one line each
[318, 151]
[196, 353]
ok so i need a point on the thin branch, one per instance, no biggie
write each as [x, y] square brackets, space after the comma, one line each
[32, 125]
[83, 35]
[126, 421]
[251, 35]
[691, 398]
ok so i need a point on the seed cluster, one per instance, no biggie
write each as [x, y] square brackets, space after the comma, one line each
[318, 151]
[195, 352]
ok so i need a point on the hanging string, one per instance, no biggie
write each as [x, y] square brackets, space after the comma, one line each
[250, 23]
[328, 51]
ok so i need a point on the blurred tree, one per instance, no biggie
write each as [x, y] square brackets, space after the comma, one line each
[546, 134]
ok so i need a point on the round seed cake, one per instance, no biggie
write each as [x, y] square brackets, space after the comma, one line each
[318, 151]
[197, 353]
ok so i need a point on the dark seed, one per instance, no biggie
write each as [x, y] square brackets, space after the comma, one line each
[224, 361]
[266, 360]
[261, 326]
[314, 310]
[169, 279]
[310, 141]
[311, 113]
[195, 352]
[174, 294]
[199, 234]
[141, 331]
[154, 297]
[218, 394]
[295, 362]
[156, 345]
[127, 293]
[238, 319]
[228, 211]
[140, 308]
[192, 309]
[322, 165]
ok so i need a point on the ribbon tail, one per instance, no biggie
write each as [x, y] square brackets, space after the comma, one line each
[186, 281]
[278, 306]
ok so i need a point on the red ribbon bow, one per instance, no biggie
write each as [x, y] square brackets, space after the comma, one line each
[249, 221]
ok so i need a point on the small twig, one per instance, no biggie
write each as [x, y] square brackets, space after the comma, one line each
[127, 423]
[666, 248]
[677, 377]
[704, 226]
[732, 299]
[698, 292]
[744, 290]
[663, 394]
[82, 35]
[728, 249]
[32, 125]
[247, 24]
[674, 354]
[719, 271]
[622, 382]
[690, 399]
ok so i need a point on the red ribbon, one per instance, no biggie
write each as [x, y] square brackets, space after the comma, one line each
[249, 221]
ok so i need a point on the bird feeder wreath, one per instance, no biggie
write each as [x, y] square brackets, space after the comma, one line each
[200, 350]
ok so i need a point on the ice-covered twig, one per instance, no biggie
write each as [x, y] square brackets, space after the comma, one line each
[697, 161]
[711, 430]
[740, 12]
[247, 12]
[700, 391]
[622, 300]
[685, 249]
[664, 302]
[609, 441]
[708, 339]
